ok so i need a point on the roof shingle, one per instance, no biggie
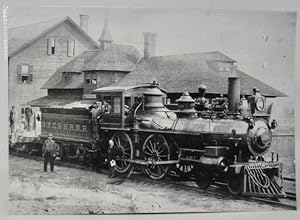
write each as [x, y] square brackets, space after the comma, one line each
[176, 73]
[113, 58]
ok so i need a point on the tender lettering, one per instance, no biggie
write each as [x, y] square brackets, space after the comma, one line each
[65, 126]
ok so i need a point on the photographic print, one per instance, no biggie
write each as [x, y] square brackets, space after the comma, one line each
[136, 110]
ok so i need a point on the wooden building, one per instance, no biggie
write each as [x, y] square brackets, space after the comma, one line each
[176, 73]
[91, 69]
[35, 52]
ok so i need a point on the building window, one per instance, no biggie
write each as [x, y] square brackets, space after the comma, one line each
[51, 46]
[71, 48]
[94, 81]
[116, 104]
[25, 73]
[91, 78]
[87, 77]
[67, 76]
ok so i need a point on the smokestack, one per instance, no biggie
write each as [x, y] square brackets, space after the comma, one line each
[84, 22]
[149, 44]
[234, 92]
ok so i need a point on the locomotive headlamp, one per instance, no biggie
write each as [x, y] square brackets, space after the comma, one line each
[260, 104]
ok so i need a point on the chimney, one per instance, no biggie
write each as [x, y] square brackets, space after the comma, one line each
[149, 44]
[234, 91]
[84, 22]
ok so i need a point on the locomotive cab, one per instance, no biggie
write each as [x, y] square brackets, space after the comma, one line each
[124, 103]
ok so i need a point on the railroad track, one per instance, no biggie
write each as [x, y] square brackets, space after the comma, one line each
[216, 190]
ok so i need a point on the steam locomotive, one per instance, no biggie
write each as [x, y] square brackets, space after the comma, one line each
[207, 140]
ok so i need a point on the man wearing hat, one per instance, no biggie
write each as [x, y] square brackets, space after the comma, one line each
[251, 101]
[112, 154]
[48, 151]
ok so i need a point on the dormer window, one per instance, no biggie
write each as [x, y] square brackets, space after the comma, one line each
[94, 81]
[67, 76]
[91, 78]
[51, 46]
[224, 66]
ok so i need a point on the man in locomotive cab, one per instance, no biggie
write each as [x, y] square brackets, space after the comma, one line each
[106, 107]
[49, 152]
[201, 103]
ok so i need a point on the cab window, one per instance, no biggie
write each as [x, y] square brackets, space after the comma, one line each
[116, 104]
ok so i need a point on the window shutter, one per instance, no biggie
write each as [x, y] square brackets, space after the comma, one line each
[30, 78]
[54, 43]
[30, 73]
[30, 69]
[19, 69]
[73, 49]
[69, 48]
[49, 46]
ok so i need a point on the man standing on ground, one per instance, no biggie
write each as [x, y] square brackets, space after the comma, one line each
[49, 150]
[12, 119]
[28, 114]
[112, 154]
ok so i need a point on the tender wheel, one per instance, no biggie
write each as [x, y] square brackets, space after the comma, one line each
[203, 177]
[123, 142]
[235, 184]
[156, 148]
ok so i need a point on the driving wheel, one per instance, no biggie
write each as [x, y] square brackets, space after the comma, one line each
[203, 177]
[124, 143]
[156, 148]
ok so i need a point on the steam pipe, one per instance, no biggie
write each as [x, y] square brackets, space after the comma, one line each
[234, 93]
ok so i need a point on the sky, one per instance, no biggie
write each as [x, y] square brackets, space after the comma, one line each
[262, 43]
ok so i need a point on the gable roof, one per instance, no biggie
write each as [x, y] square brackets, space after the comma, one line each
[23, 36]
[116, 57]
[113, 58]
[176, 73]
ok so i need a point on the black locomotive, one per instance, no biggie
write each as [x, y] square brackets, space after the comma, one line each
[209, 140]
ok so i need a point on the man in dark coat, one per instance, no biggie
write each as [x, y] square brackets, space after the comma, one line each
[112, 155]
[49, 151]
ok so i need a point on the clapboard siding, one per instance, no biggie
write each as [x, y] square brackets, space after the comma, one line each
[44, 65]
